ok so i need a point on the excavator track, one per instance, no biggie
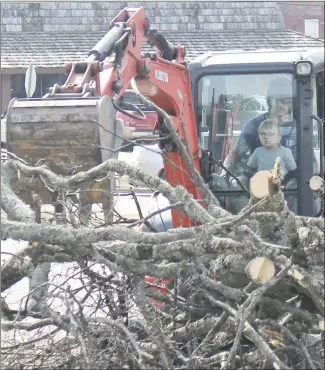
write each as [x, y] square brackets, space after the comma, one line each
[67, 134]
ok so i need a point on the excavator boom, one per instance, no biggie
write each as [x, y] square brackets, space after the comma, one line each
[74, 128]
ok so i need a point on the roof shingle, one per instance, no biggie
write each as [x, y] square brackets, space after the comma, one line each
[180, 15]
[51, 34]
[49, 49]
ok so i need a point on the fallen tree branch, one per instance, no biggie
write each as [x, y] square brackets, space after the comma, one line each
[190, 207]
[252, 335]
[245, 311]
[216, 326]
[127, 333]
[191, 278]
[305, 283]
[9, 325]
[198, 180]
[32, 341]
[292, 338]
[15, 208]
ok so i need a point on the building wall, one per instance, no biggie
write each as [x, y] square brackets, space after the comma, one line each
[89, 16]
[295, 14]
[5, 92]
[13, 85]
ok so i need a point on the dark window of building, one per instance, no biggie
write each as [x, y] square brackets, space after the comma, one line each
[43, 83]
[17, 86]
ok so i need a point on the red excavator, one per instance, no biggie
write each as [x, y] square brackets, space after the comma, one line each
[74, 126]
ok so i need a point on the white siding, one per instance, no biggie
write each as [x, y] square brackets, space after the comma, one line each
[312, 27]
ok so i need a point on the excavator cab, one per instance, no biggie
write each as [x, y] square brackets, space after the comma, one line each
[233, 93]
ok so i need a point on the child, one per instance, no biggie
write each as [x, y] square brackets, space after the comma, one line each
[264, 157]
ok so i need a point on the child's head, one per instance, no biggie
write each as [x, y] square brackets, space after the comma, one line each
[270, 134]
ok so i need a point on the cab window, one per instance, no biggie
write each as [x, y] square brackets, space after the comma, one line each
[251, 104]
[231, 109]
[130, 98]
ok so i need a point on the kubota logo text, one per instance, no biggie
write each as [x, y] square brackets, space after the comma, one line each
[161, 76]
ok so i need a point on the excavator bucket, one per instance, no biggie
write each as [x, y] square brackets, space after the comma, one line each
[68, 135]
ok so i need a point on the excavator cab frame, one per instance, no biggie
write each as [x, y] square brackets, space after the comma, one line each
[241, 64]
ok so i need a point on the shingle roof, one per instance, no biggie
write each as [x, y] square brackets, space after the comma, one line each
[172, 15]
[46, 49]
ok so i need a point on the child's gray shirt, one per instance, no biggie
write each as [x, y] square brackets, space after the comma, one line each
[264, 159]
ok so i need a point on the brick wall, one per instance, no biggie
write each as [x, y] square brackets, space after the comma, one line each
[295, 13]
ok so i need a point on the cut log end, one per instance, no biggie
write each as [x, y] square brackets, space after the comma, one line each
[260, 270]
[316, 183]
[259, 185]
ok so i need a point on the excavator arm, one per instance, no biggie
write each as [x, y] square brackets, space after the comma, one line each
[74, 125]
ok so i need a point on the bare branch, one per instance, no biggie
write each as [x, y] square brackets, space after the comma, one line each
[210, 198]
[189, 206]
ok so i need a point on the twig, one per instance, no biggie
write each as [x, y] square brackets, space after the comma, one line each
[12, 155]
[251, 334]
[246, 310]
[222, 319]
[140, 212]
[218, 357]
[137, 203]
[292, 337]
[132, 142]
[159, 211]
[51, 333]
[13, 255]
[130, 337]
[9, 325]
[247, 212]
[159, 337]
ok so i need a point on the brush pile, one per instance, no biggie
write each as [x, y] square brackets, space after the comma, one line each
[236, 291]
